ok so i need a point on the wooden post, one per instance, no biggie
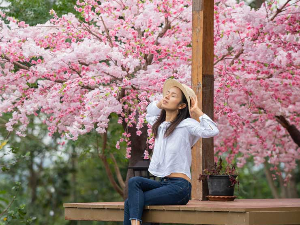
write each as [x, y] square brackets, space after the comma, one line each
[203, 85]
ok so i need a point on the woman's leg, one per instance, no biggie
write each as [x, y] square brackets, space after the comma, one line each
[133, 206]
[142, 191]
[174, 191]
[127, 219]
[126, 213]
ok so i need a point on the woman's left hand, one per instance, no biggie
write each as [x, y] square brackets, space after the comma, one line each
[194, 107]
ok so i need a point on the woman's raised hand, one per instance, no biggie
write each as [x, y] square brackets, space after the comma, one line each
[194, 104]
[159, 103]
[195, 110]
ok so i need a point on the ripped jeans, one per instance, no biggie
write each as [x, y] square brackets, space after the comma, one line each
[143, 192]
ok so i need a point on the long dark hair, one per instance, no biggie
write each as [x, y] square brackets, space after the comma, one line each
[183, 114]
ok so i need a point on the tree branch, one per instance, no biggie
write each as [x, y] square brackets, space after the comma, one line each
[255, 38]
[106, 165]
[110, 175]
[282, 187]
[56, 81]
[160, 35]
[16, 63]
[293, 131]
[116, 78]
[270, 180]
[223, 57]
[107, 32]
[280, 10]
[117, 171]
[92, 33]
[236, 56]
[121, 94]
[83, 63]
[7, 208]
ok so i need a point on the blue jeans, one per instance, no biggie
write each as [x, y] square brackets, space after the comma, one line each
[143, 191]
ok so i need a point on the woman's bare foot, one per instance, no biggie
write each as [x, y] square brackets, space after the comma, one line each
[135, 222]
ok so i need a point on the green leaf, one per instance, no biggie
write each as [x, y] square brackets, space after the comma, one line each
[4, 169]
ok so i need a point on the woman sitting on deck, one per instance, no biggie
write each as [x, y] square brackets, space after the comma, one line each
[175, 133]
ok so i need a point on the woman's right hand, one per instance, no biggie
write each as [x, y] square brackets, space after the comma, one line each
[159, 104]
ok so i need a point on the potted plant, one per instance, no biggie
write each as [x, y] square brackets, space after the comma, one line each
[221, 181]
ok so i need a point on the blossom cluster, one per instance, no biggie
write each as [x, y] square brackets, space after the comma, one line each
[116, 58]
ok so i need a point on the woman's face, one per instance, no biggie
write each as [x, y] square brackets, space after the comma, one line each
[172, 99]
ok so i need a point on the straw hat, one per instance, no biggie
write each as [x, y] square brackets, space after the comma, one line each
[187, 91]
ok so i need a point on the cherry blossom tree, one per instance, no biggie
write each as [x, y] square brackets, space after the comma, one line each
[115, 58]
[79, 72]
[257, 73]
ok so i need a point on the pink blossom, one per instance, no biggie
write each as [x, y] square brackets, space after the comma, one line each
[78, 85]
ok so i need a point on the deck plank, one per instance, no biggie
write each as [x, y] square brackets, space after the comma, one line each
[238, 212]
[238, 205]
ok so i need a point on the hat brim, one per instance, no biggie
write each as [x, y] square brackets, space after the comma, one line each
[169, 83]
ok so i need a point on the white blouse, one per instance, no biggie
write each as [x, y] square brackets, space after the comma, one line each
[173, 154]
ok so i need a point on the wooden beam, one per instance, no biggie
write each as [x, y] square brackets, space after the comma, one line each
[238, 212]
[160, 216]
[188, 217]
[203, 85]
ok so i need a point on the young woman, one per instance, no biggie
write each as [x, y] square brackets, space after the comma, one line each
[175, 133]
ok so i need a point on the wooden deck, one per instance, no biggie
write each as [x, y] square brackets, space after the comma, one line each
[237, 212]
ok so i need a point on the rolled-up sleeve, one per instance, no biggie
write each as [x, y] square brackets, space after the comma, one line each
[205, 129]
[153, 112]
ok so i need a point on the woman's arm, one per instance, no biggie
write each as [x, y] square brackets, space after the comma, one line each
[206, 127]
[153, 111]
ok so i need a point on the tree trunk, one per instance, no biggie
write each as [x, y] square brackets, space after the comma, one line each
[270, 180]
[32, 179]
[110, 175]
[109, 172]
[289, 191]
[294, 133]
[292, 187]
[138, 146]
[74, 172]
[117, 171]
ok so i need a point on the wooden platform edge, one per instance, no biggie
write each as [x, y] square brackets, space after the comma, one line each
[189, 217]
[236, 206]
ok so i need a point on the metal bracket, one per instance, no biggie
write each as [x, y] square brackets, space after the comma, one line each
[199, 86]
